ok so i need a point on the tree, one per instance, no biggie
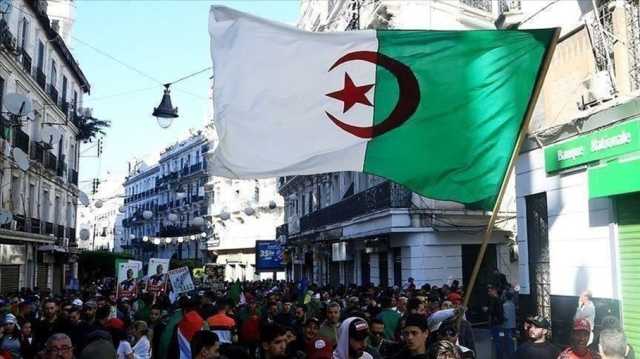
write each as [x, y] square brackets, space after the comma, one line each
[90, 127]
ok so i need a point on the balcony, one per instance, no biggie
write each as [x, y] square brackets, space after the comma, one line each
[510, 6]
[51, 162]
[196, 167]
[53, 93]
[5, 127]
[60, 231]
[21, 225]
[64, 106]
[383, 196]
[73, 177]
[21, 140]
[41, 79]
[61, 168]
[482, 5]
[71, 234]
[184, 171]
[37, 152]
[26, 61]
[35, 226]
[48, 228]
[282, 230]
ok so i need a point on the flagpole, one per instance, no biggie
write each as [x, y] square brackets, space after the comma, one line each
[520, 140]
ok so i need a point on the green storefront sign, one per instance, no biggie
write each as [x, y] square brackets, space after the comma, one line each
[595, 146]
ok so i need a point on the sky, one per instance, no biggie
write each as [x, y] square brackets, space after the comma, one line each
[164, 40]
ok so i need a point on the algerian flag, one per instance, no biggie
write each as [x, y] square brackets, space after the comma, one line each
[436, 111]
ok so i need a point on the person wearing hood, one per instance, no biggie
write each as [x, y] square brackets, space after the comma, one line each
[11, 339]
[352, 335]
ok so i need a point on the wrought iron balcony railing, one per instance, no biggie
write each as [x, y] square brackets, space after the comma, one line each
[48, 228]
[482, 5]
[37, 152]
[41, 79]
[51, 162]
[21, 140]
[25, 60]
[53, 93]
[73, 177]
[384, 195]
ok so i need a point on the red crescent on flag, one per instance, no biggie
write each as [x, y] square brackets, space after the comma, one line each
[408, 94]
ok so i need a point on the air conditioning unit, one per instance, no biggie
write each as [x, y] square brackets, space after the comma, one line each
[597, 89]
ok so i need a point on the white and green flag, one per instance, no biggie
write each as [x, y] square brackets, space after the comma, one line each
[437, 111]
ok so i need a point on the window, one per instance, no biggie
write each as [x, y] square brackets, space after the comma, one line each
[24, 33]
[1, 91]
[15, 194]
[75, 100]
[40, 56]
[64, 88]
[54, 73]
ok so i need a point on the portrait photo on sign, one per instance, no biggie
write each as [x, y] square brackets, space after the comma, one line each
[157, 274]
[127, 282]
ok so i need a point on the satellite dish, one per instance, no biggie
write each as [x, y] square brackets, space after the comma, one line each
[249, 211]
[5, 7]
[167, 240]
[173, 218]
[145, 239]
[84, 199]
[224, 215]
[21, 159]
[98, 203]
[84, 234]
[147, 214]
[121, 209]
[272, 204]
[132, 237]
[5, 216]
[156, 241]
[198, 221]
[180, 239]
[17, 104]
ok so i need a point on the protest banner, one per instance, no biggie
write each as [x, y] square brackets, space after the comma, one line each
[181, 281]
[157, 273]
[127, 285]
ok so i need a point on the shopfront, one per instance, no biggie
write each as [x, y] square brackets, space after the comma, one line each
[610, 159]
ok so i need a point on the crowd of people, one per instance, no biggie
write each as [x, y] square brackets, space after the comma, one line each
[282, 320]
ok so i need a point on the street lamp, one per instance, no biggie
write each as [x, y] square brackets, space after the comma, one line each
[165, 112]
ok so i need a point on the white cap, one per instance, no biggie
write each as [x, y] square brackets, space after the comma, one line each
[77, 302]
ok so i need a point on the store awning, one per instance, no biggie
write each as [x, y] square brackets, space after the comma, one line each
[52, 248]
[16, 237]
[615, 177]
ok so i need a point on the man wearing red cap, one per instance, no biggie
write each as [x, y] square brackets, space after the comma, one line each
[579, 342]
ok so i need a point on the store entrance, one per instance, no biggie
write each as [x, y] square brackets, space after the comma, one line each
[628, 214]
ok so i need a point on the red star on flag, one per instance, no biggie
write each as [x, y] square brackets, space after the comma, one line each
[351, 94]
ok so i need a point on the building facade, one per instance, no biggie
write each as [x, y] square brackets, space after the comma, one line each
[103, 219]
[577, 176]
[243, 212]
[35, 63]
[172, 194]
[140, 195]
[183, 175]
